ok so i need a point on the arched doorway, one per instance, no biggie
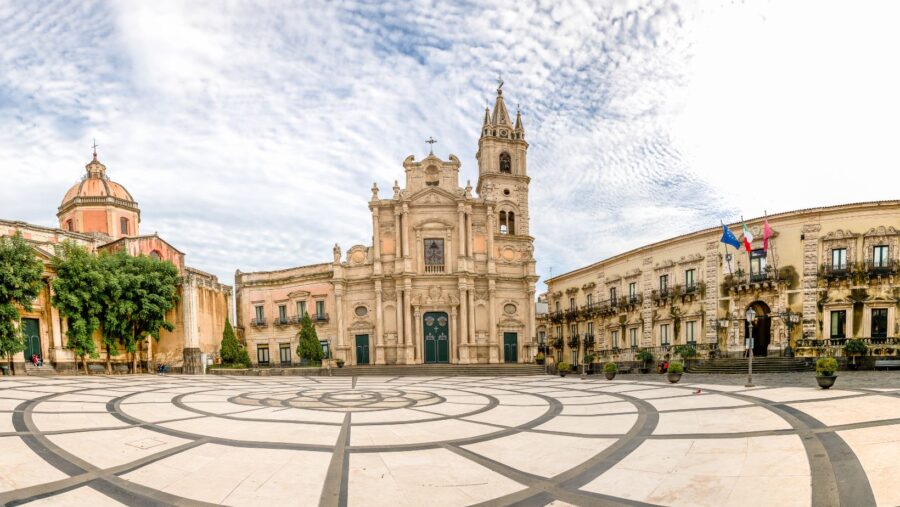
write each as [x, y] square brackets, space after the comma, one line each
[436, 327]
[759, 329]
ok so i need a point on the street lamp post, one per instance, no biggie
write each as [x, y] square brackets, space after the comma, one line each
[750, 315]
[790, 320]
[583, 354]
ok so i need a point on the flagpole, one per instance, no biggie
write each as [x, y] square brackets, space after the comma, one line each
[774, 259]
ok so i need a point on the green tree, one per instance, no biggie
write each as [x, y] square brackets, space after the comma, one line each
[20, 284]
[78, 290]
[115, 308]
[309, 348]
[150, 292]
[233, 353]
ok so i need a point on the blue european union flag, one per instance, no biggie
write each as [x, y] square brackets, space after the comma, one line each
[729, 239]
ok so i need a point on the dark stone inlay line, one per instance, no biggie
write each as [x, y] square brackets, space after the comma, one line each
[334, 489]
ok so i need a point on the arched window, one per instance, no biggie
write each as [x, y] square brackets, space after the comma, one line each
[69, 225]
[511, 222]
[154, 254]
[503, 226]
[505, 163]
[123, 226]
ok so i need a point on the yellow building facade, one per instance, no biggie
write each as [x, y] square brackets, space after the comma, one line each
[829, 274]
[448, 278]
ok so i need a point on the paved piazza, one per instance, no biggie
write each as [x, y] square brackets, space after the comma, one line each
[413, 441]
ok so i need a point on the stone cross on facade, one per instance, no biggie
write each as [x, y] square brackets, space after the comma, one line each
[431, 142]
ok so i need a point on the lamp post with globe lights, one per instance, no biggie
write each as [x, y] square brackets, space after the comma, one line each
[750, 316]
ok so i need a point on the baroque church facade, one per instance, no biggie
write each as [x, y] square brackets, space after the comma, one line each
[449, 276]
[100, 215]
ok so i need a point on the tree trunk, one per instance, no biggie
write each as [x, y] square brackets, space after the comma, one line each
[134, 362]
[84, 364]
[108, 367]
[11, 370]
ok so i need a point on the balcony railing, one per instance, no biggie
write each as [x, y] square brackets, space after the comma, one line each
[881, 267]
[759, 277]
[836, 271]
[258, 322]
[434, 268]
[635, 299]
[282, 321]
[321, 317]
[839, 342]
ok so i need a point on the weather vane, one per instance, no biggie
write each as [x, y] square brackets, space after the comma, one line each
[499, 83]
[431, 142]
[95, 147]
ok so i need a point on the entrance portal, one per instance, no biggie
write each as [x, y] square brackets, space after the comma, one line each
[436, 327]
[32, 331]
[510, 348]
[362, 349]
[760, 329]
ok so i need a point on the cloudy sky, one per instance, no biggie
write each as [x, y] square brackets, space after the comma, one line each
[250, 133]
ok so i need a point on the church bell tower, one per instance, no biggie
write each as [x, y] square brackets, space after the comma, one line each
[502, 168]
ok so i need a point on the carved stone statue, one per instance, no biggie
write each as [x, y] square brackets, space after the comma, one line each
[337, 253]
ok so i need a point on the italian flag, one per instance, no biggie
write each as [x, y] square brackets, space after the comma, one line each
[748, 238]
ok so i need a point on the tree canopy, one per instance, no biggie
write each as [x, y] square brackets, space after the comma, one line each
[78, 289]
[20, 284]
[309, 348]
[232, 352]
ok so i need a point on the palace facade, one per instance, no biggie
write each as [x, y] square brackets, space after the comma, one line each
[829, 274]
[448, 278]
[101, 215]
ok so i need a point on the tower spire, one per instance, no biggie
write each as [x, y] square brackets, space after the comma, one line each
[519, 127]
[501, 115]
[95, 149]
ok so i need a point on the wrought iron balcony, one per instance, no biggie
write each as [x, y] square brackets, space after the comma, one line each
[836, 271]
[759, 277]
[258, 322]
[881, 267]
[281, 321]
[635, 299]
[321, 317]
[691, 288]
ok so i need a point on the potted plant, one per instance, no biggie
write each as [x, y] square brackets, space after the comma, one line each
[645, 357]
[540, 358]
[676, 368]
[563, 367]
[855, 348]
[339, 362]
[610, 369]
[589, 363]
[825, 368]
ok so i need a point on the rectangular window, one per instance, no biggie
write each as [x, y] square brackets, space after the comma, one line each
[838, 258]
[571, 303]
[320, 310]
[559, 331]
[262, 354]
[689, 282]
[542, 337]
[590, 299]
[260, 315]
[573, 330]
[879, 322]
[632, 333]
[123, 226]
[434, 253]
[689, 331]
[557, 307]
[663, 284]
[590, 328]
[614, 339]
[69, 225]
[880, 256]
[325, 348]
[284, 351]
[632, 290]
[757, 262]
[664, 334]
[282, 313]
[301, 309]
[838, 323]
[612, 295]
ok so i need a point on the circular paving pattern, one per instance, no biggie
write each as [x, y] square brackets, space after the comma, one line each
[441, 441]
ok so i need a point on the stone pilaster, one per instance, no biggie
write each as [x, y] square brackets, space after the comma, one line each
[711, 301]
[647, 305]
[809, 279]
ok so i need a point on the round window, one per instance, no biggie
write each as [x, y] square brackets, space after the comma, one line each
[361, 311]
[505, 191]
[509, 308]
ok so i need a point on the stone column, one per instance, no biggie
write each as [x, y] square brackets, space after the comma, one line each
[448, 255]
[407, 325]
[469, 241]
[711, 301]
[376, 234]
[490, 238]
[809, 279]
[191, 345]
[529, 322]
[379, 326]
[461, 215]
[401, 339]
[420, 335]
[494, 349]
[463, 327]
[647, 305]
[398, 253]
[420, 254]
[405, 225]
[339, 317]
[454, 337]
[471, 294]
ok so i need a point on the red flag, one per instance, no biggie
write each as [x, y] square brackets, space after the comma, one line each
[767, 233]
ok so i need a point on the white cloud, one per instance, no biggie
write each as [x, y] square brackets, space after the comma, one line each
[250, 134]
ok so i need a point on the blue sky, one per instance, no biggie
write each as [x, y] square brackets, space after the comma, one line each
[250, 133]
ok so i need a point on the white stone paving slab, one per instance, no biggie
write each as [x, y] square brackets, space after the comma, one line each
[731, 420]
[20, 467]
[541, 453]
[878, 450]
[84, 495]
[852, 410]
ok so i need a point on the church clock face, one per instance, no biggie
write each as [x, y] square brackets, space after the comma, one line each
[434, 252]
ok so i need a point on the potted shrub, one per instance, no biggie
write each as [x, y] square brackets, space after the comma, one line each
[563, 367]
[676, 368]
[339, 362]
[855, 348]
[610, 369]
[540, 358]
[589, 364]
[645, 357]
[825, 368]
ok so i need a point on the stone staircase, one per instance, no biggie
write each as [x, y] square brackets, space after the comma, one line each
[46, 370]
[760, 365]
[440, 370]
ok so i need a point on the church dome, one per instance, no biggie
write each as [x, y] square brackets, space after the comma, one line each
[97, 184]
